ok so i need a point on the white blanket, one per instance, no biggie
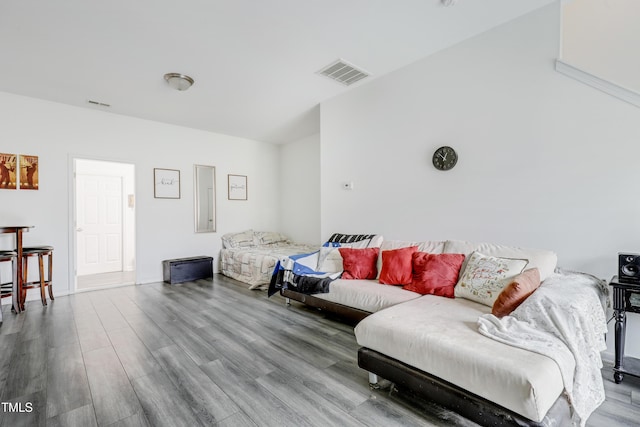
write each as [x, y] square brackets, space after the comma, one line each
[563, 319]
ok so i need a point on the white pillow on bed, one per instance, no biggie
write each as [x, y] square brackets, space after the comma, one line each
[269, 237]
[244, 239]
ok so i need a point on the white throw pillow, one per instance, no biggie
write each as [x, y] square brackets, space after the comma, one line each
[351, 240]
[485, 277]
[329, 260]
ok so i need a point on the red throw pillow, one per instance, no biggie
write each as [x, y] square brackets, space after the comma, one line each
[359, 263]
[435, 274]
[521, 286]
[396, 266]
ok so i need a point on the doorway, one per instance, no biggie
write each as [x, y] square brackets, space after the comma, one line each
[104, 224]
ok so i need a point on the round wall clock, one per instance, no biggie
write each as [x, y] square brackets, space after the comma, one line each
[445, 158]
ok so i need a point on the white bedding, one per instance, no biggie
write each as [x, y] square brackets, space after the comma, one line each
[254, 265]
[440, 336]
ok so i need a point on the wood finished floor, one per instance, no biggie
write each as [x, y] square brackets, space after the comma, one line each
[207, 353]
[92, 281]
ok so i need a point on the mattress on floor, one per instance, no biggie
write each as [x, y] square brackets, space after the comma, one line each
[254, 265]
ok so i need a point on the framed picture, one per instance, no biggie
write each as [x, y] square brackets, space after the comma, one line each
[28, 172]
[166, 183]
[237, 187]
[8, 168]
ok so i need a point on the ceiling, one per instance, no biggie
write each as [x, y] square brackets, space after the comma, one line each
[254, 62]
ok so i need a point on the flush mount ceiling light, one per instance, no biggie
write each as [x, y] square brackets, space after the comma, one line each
[178, 81]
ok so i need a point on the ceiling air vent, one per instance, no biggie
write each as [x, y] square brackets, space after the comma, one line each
[343, 72]
[98, 103]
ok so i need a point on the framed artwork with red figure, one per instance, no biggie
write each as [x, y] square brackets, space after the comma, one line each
[8, 171]
[29, 175]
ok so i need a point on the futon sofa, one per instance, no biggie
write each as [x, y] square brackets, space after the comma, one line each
[427, 341]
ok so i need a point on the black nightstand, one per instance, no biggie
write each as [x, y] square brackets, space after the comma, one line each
[626, 298]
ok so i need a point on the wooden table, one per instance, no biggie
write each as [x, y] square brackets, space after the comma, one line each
[16, 292]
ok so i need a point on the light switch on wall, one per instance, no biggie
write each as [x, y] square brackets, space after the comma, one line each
[347, 185]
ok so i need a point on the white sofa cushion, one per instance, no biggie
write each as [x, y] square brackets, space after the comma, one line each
[367, 295]
[433, 247]
[545, 261]
[439, 336]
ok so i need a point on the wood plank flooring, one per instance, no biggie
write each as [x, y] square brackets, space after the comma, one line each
[210, 353]
[92, 281]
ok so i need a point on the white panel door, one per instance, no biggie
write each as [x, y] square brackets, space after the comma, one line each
[99, 224]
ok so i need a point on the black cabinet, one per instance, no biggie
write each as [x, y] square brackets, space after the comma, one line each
[626, 298]
[185, 269]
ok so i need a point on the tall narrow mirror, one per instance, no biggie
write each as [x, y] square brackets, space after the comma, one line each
[205, 198]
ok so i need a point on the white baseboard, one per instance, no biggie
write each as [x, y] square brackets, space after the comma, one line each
[607, 357]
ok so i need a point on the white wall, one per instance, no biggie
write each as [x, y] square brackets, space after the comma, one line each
[300, 190]
[165, 227]
[544, 161]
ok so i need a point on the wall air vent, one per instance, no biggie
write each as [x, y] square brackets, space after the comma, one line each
[98, 103]
[343, 72]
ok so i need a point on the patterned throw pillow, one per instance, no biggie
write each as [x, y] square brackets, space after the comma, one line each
[358, 241]
[485, 277]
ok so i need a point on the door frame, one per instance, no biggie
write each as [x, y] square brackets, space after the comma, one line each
[73, 250]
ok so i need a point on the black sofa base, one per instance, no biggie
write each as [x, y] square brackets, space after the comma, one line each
[469, 405]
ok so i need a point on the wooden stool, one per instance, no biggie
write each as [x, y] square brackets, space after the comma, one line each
[40, 252]
[6, 288]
